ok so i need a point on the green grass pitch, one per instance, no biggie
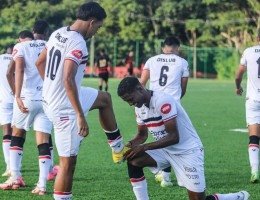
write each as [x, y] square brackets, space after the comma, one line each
[213, 108]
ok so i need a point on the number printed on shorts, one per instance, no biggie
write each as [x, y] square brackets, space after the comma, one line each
[54, 62]
[163, 76]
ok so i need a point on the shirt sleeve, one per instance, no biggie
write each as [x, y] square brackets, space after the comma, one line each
[17, 51]
[77, 52]
[243, 60]
[147, 65]
[166, 107]
[186, 71]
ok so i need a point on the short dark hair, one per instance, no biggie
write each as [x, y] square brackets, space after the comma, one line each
[11, 46]
[172, 41]
[91, 10]
[127, 85]
[40, 27]
[26, 34]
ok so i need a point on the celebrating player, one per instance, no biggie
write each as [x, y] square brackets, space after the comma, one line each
[28, 110]
[250, 62]
[168, 73]
[176, 144]
[6, 107]
[61, 65]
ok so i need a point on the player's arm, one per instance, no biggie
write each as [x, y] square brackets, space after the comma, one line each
[239, 77]
[41, 63]
[145, 76]
[69, 74]
[184, 83]
[19, 74]
[140, 138]
[10, 75]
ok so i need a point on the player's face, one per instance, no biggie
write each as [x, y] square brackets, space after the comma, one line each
[134, 99]
[93, 28]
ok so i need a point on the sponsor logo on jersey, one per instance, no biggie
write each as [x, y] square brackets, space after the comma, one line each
[166, 108]
[77, 53]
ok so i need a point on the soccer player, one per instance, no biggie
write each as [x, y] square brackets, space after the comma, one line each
[168, 73]
[102, 63]
[176, 144]
[61, 65]
[6, 106]
[28, 110]
[250, 62]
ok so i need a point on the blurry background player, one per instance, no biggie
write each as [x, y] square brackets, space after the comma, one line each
[250, 62]
[168, 73]
[129, 63]
[61, 65]
[102, 63]
[6, 106]
[176, 143]
[28, 110]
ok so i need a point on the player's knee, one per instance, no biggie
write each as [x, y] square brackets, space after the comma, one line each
[136, 163]
[253, 139]
[106, 98]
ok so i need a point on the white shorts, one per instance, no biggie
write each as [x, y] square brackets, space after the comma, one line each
[188, 167]
[66, 131]
[35, 117]
[6, 113]
[252, 112]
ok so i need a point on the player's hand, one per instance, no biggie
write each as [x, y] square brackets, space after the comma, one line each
[21, 106]
[239, 91]
[131, 153]
[82, 126]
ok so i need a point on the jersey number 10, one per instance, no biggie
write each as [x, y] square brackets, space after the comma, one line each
[53, 64]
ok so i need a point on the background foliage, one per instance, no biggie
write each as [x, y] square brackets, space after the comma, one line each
[200, 23]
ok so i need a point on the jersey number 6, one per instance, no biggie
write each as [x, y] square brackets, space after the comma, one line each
[163, 76]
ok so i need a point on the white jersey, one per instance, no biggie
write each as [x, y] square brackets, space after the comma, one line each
[6, 94]
[63, 44]
[166, 71]
[32, 82]
[251, 60]
[163, 108]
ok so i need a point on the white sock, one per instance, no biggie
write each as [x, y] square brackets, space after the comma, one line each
[62, 195]
[140, 189]
[44, 166]
[117, 145]
[230, 196]
[16, 156]
[6, 150]
[253, 151]
[166, 176]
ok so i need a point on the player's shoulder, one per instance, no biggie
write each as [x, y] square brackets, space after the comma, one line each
[160, 98]
[252, 49]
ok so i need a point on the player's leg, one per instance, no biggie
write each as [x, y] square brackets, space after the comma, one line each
[100, 84]
[106, 81]
[136, 174]
[67, 143]
[7, 134]
[93, 99]
[54, 168]
[164, 177]
[242, 195]
[253, 121]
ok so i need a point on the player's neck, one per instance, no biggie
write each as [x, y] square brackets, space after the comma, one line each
[80, 27]
[38, 36]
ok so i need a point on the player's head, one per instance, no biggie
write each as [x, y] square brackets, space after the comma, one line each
[102, 52]
[9, 48]
[25, 35]
[41, 27]
[171, 45]
[93, 14]
[131, 91]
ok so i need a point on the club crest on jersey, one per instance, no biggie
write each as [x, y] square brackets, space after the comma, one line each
[166, 108]
[77, 53]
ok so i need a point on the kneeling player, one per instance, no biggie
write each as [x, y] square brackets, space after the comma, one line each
[177, 143]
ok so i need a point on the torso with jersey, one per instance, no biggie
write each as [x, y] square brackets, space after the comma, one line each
[63, 44]
[166, 71]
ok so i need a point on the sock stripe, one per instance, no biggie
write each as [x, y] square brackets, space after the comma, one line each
[253, 145]
[45, 157]
[6, 141]
[110, 141]
[62, 193]
[135, 180]
[16, 148]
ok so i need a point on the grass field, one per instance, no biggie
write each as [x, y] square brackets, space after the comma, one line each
[214, 110]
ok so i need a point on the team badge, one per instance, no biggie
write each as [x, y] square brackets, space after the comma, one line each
[166, 108]
[77, 53]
